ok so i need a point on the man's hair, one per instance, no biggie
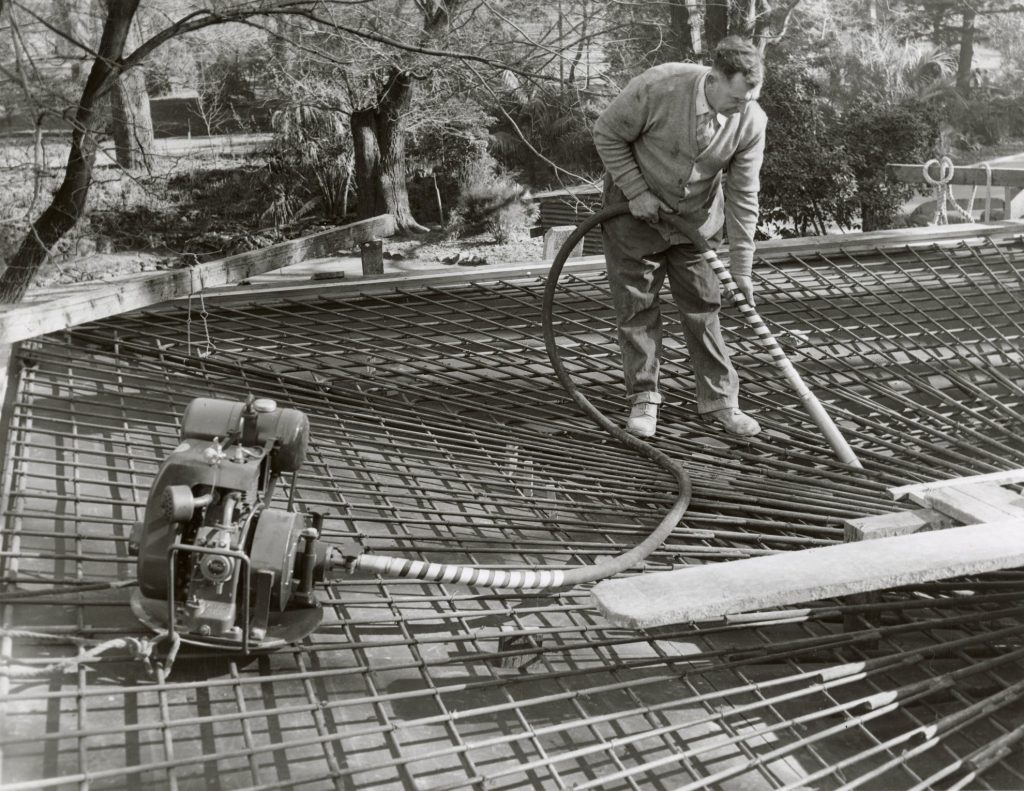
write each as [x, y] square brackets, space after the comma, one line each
[733, 55]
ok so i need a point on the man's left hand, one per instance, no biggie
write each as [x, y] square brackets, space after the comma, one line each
[746, 287]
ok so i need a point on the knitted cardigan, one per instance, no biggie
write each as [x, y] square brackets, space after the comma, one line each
[647, 139]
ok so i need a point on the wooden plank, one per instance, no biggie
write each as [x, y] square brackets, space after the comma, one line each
[42, 313]
[973, 175]
[780, 249]
[1004, 476]
[390, 283]
[591, 190]
[832, 242]
[773, 250]
[976, 502]
[10, 371]
[711, 591]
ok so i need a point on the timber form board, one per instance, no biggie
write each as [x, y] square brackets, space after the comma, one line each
[68, 306]
[775, 250]
[963, 175]
[60, 308]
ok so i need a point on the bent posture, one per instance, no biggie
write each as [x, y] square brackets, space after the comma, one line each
[665, 142]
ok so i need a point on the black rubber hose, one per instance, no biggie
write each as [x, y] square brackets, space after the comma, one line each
[637, 554]
[556, 578]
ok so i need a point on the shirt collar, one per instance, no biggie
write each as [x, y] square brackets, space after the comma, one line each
[702, 101]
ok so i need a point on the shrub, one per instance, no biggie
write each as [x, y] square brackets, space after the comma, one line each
[806, 181]
[311, 163]
[875, 134]
[439, 149]
[826, 164]
[989, 116]
[491, 201]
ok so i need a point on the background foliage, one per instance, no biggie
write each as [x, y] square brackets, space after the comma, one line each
[503, 103]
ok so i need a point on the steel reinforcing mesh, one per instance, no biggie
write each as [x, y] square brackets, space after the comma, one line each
[439, 433]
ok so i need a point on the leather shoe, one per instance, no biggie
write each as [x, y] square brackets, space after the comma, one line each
[733, 420]
[643, 414]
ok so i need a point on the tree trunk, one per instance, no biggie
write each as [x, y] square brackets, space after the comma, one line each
[378, 136]
[966, 58]
[716, 24]
[132, 122]
[681, 31]
[68, 203]
[742, 15]
[282, 43]
[369, 189]
[768, 23]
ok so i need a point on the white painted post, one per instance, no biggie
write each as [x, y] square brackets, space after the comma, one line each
[1013, 200]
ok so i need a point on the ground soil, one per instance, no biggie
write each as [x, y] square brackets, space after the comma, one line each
[98, 266]
[430, 250]
[435, 248]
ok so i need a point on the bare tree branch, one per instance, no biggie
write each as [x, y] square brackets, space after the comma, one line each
[303, 8]
[54, 29]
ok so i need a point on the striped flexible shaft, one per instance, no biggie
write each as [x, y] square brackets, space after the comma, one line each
[764, 336]
[460, 575]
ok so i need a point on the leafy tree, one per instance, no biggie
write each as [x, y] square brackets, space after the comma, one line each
[876, 134]
[956, 22]
[647, 34]
[838, 113]
[1005, 33]
[688, 30]
[807, 180]
[882, 67]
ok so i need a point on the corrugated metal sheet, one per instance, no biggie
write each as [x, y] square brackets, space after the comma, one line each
[570, 207]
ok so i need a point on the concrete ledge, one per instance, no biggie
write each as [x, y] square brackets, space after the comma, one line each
[711, 591]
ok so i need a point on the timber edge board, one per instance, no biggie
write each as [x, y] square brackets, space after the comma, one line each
[73, 306]
[52, 310]
[778, 251]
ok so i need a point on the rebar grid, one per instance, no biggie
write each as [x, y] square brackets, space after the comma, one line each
[438, 433]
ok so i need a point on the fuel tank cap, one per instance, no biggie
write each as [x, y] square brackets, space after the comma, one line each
[264, 405]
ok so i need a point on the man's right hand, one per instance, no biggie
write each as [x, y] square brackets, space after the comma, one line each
[646, 206]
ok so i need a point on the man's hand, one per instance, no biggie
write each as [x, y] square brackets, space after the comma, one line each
[746, 287]
[646, 206]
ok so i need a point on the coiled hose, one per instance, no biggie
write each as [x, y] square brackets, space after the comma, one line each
[556, 578]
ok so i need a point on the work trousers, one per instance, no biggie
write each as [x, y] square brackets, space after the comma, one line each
[638, 258]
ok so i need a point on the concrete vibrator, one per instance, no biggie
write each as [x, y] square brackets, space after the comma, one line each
[220, 566]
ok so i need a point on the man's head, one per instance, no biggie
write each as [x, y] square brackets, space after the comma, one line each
[736, 75]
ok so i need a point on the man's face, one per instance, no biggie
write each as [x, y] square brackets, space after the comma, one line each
[729, 95]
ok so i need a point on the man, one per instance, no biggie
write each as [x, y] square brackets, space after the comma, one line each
[665, 142]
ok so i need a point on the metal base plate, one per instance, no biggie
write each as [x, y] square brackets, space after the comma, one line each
[283, 628]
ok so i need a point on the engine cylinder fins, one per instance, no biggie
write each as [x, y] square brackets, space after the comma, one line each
[207, 418]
